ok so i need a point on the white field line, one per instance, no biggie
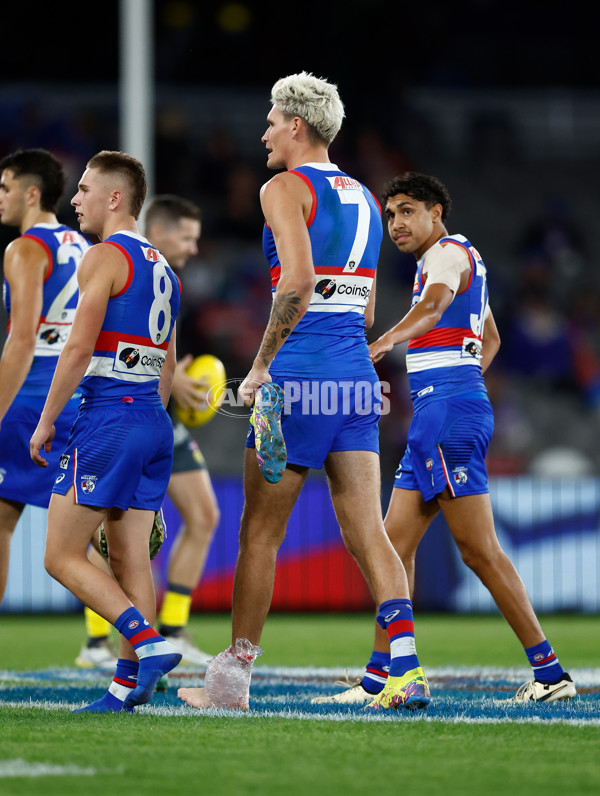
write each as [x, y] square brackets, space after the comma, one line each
[24, 768]
[586, 678]
[191, 713]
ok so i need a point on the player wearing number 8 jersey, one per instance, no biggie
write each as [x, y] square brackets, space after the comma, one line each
[117, 464]
[40, 296]
[122, 376]
[322, 238]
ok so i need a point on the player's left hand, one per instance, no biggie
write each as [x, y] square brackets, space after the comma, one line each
[247, 389]
[42, 438]
[379, 349]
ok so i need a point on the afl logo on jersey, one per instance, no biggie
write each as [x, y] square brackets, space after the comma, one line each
[325, 288]
[130, 356]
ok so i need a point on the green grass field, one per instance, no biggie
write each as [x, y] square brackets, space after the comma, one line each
[179, 751]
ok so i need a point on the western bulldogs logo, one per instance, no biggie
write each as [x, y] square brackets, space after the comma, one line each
[460, 475]
[325, 288]
[130, 356]
[88, 483]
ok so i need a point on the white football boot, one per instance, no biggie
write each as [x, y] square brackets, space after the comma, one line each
[353, 694]
[534, 691]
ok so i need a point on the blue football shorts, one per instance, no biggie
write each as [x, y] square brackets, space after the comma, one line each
[118, 456]
[323, 416]
[20, 478]
[447, 444]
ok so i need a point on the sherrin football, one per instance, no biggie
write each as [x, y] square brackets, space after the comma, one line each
[211, 370]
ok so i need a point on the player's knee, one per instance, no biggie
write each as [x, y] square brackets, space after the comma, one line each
[405, 552]
[214, 518]
[6, 533]
[118, 562]
[52, 563]
[357, 544]
[476, 558]
[201, 523]
[253, 532]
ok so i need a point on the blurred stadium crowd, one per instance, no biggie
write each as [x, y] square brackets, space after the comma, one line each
[522, 182]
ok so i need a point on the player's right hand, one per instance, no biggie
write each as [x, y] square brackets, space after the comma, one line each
[42, 438]
[380, 348]
[255, 379]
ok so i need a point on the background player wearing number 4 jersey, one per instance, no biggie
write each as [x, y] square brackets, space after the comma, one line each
[452, 339]
[116, 466]
[322, 231]
[40, 295]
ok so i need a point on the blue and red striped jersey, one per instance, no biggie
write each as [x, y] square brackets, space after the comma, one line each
[65, 247]
[131, 347]
[345, 233]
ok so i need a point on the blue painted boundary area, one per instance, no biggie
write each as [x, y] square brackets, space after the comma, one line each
[459, 695]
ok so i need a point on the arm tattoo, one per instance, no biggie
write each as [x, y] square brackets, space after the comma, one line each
[285, 309]
[285, 314]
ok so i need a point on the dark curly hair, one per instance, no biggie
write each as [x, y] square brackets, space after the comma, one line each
[422, 187]
[42, 169]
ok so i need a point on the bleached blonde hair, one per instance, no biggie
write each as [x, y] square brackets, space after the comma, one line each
[314, 100]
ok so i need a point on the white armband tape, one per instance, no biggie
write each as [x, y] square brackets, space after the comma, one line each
[445, 264]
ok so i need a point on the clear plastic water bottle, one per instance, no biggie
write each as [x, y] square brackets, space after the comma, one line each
[227, 679]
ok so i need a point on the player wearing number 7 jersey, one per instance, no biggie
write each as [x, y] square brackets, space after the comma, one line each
[117, 464]
[40, 296]
[322, 237]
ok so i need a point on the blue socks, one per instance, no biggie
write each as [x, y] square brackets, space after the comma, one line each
[376, 672]
[123, 683]
[157, 656]
[543, 661]
[396, 616]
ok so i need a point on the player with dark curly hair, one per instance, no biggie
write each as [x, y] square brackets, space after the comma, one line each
[452, 339]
